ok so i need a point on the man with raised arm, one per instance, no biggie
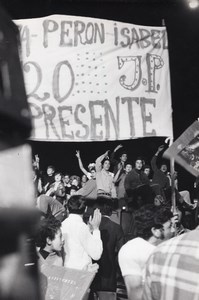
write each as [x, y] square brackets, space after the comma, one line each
[104, 178]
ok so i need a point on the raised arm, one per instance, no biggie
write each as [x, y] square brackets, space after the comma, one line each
[154, 158]
[117, 176]
[112, 156]
[80, 163]
[99, 160]
[92, 242]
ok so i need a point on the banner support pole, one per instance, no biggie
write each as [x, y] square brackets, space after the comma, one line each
[173, 196]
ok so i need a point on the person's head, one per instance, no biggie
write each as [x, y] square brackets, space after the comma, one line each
[58, 177]
[91, 166]
[73, 190]
[159, 200]
[106, 164]
[164, 217]
[128, 167]
[139, 163]
[75, 180]
[163, 168]
[175, 175]
[147, 170]
[105, 206]
[123, 157]
[93, 173]
[145, 222]
[153, 222]
[66, 178]
[49, 235]
[50, 170]
[84, 178]
[76, 205]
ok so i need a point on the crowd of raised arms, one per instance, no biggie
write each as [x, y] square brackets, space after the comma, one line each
[112, 218]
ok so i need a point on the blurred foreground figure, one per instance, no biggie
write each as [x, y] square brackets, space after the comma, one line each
[172, 270]
[18, 271]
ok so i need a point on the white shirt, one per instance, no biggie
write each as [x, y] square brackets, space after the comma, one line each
[133, 257]
[81, 246]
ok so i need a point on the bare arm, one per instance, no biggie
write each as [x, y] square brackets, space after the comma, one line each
[117, 176]
[134, 287]
[80, 163]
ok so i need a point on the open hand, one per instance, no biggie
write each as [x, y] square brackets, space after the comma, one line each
[95, 221]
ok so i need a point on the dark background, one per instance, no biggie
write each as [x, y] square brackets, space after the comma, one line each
[183, 34]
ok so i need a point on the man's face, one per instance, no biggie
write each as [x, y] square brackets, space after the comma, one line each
[58, 177]
[93, 174]
[58, 241]
[50, 171]
[106, 165]
[168, 230]
[138, 164]
[123, 158]
[147, 171]
[128, 168]
[75, 182]
[163, 168]
[84, 178]
[66, 179]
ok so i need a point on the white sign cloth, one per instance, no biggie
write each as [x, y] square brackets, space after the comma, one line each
[94, 79]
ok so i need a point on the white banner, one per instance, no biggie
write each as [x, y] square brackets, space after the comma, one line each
[93, 79]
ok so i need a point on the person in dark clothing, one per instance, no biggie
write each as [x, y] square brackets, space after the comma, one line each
[160, 174]
[48, 178]
[105, 282]
[118, 163]
[137, 186]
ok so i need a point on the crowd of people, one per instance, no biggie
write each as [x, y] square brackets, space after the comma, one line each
[79, 230]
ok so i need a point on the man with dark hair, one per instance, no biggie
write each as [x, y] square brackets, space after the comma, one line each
[50, 241]
[104, 178]
[112, 236]
[119, 179]
[152, 226]
[137, 186]
[83, 242]
[160, 174]
[57, 188]
[48, 178]
[118, 164]
[147, 171]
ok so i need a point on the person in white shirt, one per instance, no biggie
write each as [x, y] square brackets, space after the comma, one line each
[152, 225]
[82, 242]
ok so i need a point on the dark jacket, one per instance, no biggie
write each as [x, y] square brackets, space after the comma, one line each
[113, 238]
[134, 179]
[158, 176]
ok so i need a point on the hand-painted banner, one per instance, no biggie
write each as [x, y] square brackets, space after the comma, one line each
[93, 79]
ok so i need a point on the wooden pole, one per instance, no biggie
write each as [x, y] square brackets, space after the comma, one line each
[173, 196]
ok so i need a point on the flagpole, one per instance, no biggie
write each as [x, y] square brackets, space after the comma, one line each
[173, 196]
[172, 170]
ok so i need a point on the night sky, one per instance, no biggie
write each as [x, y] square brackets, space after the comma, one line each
[182, 26]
